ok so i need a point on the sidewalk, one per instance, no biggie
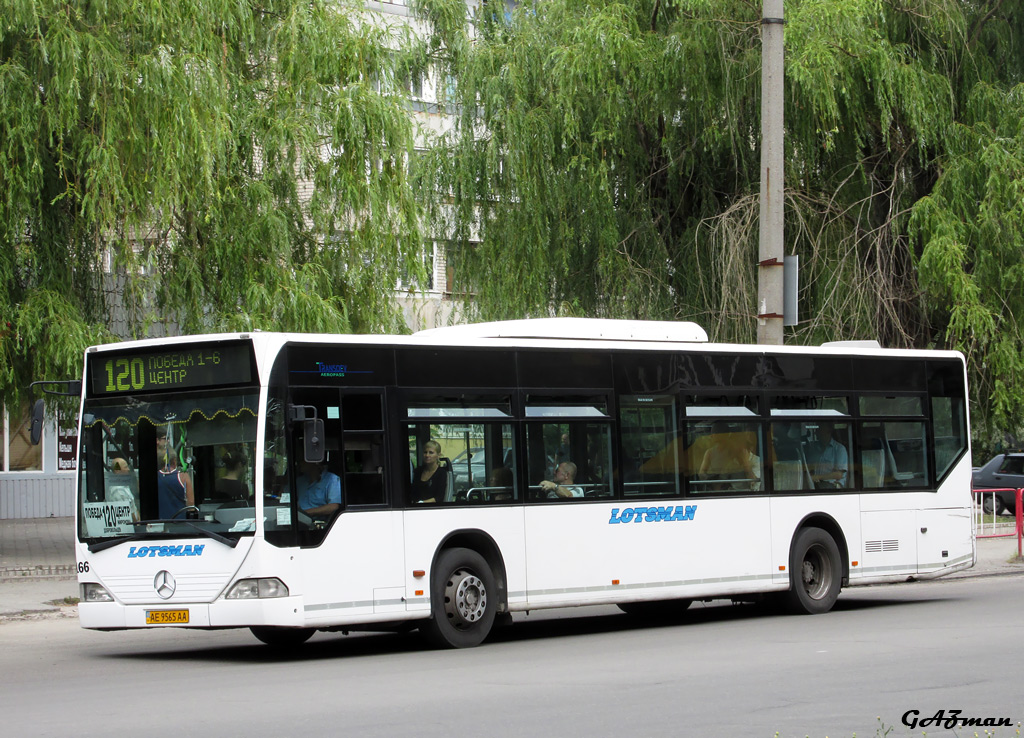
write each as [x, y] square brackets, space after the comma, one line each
[37, 548]
[37, 568]
[37, 565]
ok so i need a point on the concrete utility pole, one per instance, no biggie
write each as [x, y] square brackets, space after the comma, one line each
[770, 251]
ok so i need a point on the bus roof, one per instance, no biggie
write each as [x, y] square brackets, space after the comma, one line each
[598, 333]
[596, 329]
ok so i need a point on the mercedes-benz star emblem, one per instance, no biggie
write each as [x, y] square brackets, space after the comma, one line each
[164, 584]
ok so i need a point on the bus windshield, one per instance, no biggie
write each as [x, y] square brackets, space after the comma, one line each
[176, 464]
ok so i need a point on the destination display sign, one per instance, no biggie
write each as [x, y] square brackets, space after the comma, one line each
[169, 369]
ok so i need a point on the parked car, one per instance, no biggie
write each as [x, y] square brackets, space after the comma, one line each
[471, 470]
[1006, 472]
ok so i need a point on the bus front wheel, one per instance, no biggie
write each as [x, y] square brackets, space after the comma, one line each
[815, 572]
[462, 600]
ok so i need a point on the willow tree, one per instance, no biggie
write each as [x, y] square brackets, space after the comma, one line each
[605, 161]
[211, 164]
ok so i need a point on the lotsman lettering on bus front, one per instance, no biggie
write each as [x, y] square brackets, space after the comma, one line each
[653, 514]
[153, 551]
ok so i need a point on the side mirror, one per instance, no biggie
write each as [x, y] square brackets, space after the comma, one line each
[36, 432]
[62, 387]
[313, 439]
[312, 431]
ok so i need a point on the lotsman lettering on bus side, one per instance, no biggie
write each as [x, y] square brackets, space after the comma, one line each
[653, 514]
[664, 513]
[154, 551]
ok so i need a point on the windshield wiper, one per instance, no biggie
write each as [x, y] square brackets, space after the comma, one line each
[103, 545]
[232, 542]
[111, 542]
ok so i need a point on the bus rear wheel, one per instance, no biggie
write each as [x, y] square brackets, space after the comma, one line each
[282, 637]
[815, 572]
[462, 600]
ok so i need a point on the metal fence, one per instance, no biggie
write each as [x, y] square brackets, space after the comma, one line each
[36, 495]
[991, 524]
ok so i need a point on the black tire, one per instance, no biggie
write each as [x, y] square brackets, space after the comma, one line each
[989, 504]
[815, 572]
[661, 610]
[463, 600]
[282, 637]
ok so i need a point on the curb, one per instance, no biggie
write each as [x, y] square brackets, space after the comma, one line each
[50, 613]
[977, 575]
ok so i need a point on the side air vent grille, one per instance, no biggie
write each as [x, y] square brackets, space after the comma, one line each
[880, 546]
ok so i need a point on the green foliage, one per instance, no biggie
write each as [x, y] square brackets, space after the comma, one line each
[972, 230]
[240, 164]
[605, 161]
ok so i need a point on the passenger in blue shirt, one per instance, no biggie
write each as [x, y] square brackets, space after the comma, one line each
[319, 490]
[828, 459]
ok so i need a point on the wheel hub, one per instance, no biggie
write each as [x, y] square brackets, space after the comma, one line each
[466, 599]
[816, 572]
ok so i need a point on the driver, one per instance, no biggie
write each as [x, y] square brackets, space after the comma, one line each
[319, 490]
[174, 487]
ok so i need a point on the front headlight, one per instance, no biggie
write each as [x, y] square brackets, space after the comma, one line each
[252, 589]
[92, 592]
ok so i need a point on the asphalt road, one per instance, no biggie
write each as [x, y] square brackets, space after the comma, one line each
[721, 671]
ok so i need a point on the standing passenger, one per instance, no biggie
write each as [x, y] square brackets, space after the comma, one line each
[174, 487]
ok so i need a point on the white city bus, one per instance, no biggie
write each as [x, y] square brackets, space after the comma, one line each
[581, 462]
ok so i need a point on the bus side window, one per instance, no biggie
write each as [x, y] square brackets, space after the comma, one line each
[577, 453]
[725, 456]
[893, 454]
[651, 445]
[789, 464]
